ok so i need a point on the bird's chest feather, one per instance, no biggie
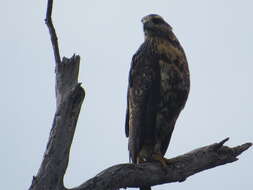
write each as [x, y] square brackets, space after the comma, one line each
[174, 75]
[173, 67]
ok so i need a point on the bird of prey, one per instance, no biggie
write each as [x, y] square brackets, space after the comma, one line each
[159, 84]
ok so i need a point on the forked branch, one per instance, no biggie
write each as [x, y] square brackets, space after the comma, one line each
[69, 98]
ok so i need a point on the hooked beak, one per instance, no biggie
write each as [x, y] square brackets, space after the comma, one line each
[144, 19]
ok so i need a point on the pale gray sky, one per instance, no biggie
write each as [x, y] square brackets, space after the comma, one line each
[217, 38]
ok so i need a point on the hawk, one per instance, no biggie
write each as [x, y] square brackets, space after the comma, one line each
[159, 84]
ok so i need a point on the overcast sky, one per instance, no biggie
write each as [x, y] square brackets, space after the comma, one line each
[217, 38]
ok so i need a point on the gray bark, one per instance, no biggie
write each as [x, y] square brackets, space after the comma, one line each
[69, 98]
[150, 174]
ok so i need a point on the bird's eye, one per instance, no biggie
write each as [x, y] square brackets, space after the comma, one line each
[157, 21]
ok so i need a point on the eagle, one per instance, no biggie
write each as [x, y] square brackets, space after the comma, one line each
[159, 84]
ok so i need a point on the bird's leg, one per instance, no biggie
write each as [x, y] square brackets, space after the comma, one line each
[167, 160]
[140, 160]
[158, 157]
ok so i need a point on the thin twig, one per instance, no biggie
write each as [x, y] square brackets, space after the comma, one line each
[52, 32]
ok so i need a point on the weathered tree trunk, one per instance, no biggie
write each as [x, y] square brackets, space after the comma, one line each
[69, 98]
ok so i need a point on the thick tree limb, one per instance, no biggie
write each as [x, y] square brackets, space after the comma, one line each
[55, 161]
[69, 98]
[150, 174]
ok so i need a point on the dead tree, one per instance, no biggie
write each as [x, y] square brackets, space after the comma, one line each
[69, 98]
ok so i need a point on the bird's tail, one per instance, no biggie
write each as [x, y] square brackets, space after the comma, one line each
[145, 188]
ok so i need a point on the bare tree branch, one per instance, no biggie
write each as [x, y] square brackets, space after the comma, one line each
[52, 32]
[69, 98]
[150, 174]
[55, 161]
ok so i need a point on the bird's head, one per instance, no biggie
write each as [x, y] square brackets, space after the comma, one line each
[155, 26]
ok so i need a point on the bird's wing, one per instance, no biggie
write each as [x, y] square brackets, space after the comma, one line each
[143, 95]
[174, 92]
[127, 116]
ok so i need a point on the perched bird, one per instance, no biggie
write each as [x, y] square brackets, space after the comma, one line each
[159, 84]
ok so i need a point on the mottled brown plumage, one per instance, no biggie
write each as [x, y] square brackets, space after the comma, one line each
[158, 88]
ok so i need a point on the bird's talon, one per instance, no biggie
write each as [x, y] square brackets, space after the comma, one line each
[164, 161]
